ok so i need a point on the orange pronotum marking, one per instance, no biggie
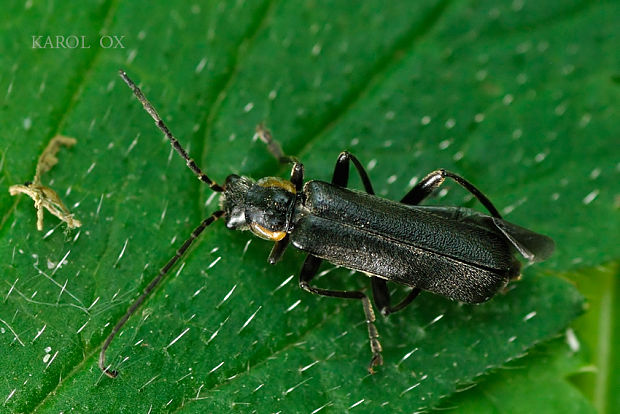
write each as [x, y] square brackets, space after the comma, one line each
[267, 234]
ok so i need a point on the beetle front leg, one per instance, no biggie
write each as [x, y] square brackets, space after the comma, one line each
[309, 270]
[435, 179]
[274, 146]
[297, 178]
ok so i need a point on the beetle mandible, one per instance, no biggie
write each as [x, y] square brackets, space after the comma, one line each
[455, 252]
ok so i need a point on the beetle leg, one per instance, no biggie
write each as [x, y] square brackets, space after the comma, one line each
[309, 270]
[278, 250]
[297, 178]
[341, 171]
[274, 146]
[416, 195]
[435, 179]
[381, 295]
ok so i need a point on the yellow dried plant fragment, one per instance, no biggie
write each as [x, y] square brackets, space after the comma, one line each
[43, 196]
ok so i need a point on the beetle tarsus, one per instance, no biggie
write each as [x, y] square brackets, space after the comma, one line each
[376, 360]
[110, 372]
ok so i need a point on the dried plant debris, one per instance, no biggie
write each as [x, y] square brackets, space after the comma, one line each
[45, 197]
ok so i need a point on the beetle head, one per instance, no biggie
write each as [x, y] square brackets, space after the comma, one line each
[232, 201]
[264, 206]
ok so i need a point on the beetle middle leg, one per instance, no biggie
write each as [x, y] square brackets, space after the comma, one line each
[380, 292]
[309, 270]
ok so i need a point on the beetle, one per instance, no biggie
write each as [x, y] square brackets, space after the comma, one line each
[455, 252]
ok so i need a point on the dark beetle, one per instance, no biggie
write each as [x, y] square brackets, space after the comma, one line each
[452, 251]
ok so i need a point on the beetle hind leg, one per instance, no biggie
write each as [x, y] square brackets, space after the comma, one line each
[435, 179]
[381, 295]
[309, 270]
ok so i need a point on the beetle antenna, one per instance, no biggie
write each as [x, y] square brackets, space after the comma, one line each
[173, 141]
[151, 286]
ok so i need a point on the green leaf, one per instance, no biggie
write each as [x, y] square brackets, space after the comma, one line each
[518, 97]
[536, 383]
[599, 332]
[578, 373]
